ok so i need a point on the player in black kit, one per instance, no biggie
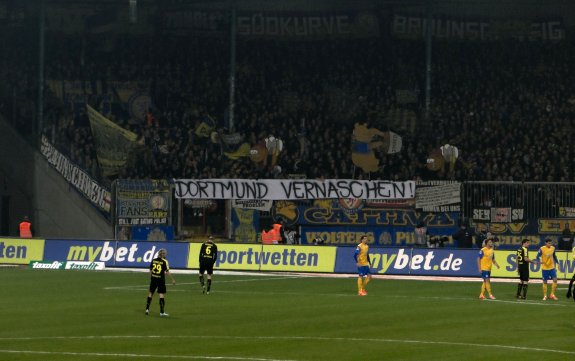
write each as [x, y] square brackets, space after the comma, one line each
[569, 294]
[159, 268]
[523, 269]
[208, 256]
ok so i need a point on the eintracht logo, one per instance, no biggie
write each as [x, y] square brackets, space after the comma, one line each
[350, 205]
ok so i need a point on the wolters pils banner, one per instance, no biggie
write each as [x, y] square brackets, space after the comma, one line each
[291, 189]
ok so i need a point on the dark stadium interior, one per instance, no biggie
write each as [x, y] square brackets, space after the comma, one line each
[495, 81]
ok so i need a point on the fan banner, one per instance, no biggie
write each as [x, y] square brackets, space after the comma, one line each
[292, 189]
[98, 195]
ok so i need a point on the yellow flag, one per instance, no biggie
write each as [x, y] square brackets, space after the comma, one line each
[113, 143]
[242, 151]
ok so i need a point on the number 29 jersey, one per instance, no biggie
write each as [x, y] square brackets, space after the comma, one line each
[159, 267]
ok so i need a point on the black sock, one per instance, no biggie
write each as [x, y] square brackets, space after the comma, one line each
[202, 280]
[209, 284]
[148, 303]
[570, 285]
[519, 288]
[525, 290]
[162, 304]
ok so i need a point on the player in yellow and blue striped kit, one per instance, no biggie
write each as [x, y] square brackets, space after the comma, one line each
[547, 258]
[363, 262]
[485, 262]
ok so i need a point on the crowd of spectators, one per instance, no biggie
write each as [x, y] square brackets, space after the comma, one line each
[506, 105]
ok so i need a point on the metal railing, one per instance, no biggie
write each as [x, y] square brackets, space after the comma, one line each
[538, 200]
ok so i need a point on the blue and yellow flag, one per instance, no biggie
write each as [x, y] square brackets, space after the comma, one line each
[205, 127]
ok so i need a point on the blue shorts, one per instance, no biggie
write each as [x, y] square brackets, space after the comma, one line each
[363, 271]
[549, 274]
[485, 274]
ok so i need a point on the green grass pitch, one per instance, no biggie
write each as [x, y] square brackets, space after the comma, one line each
[81, 315]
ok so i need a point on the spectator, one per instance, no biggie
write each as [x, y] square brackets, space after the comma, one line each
[482, 235]
[421, 235]
[463, 236]
[309, 102]
[566, 239]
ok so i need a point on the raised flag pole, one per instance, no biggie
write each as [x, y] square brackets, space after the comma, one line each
[40, 97]
[232, 102]
[428, 41]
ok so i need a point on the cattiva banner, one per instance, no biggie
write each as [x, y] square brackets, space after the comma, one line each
[284, 189]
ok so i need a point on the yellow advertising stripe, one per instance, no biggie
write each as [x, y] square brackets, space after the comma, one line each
[21, 251]
[506, 259]
[253, 257]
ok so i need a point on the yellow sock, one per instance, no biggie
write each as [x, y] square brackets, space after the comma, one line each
[488, 286]
[359, 284]
[482, 288]
[366, 281]
[553, 287]
[545, 289]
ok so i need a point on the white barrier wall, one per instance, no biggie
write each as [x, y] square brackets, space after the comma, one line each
[36, 189]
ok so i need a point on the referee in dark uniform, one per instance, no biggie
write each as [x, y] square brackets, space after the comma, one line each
[208, 256]
[523, 269]
[159, 268]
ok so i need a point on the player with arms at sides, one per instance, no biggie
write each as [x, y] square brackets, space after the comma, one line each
[361, 256]
[159, 268]
[485, 262]
[523, 269]
[569, 294]
[207, 258]
[547, 258]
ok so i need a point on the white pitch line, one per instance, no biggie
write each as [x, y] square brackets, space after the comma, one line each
[441, 298]
[134, 355]
[522, 302]
[262, 279]
[519, 302]
[143, 288]
[218, 272]
[192, 283]
[260, 338]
